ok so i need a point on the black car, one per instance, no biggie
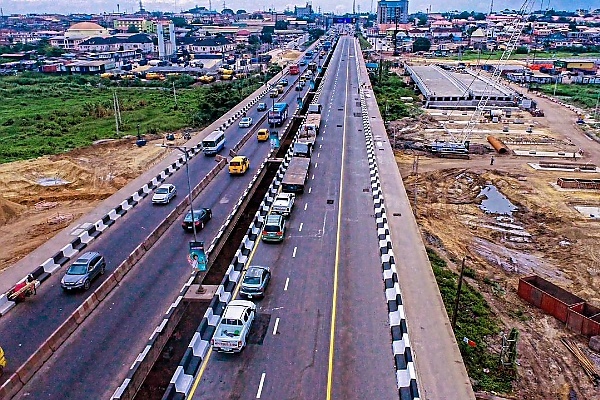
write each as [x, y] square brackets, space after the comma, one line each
[201, 217]
[298, 88]
[255, 282]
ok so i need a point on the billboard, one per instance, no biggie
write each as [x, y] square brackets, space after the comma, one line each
[197, 256]
[344, 20]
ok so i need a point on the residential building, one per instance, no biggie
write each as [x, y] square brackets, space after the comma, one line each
[301, 12]
[207, 45]
[139, 41]
[392, 11]
[76, 34]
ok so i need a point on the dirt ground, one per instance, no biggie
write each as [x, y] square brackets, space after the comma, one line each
[546, 235]
[40, 197]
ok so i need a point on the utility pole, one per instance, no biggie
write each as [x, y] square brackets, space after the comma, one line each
[396, 32]
[457, 300]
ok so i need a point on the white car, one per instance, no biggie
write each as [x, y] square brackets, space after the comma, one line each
[245, 122]
[164, 194]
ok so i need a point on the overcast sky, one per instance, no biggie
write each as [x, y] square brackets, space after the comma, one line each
[91, 6]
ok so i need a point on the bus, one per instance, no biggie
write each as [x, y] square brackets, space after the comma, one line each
[295, 175]
[277, 114]
[294, 69]
[213, 143]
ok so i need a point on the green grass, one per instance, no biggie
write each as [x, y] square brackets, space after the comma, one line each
[43, 115]
[477, 322]
[364, 43]
[584, 96]
[389, 88]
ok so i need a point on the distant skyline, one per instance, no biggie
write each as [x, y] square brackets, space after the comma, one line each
[102, 6]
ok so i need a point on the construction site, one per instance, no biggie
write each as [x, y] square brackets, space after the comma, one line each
[509, 180]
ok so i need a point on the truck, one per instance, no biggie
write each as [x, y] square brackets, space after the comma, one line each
[277, 114]
[283, 204]
[233, 328]
[312, 123]
[296, 175]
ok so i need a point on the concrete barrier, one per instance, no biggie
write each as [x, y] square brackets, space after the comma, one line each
[11, 387]
[62, 333]
[105, 288]
[34, 363]
[85, 309]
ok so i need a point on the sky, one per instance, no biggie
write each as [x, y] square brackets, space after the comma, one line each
[96, 6]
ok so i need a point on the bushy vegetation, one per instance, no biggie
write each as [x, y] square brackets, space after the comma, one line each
[476, 322]
[364, 43]
[42, 115]
[389, 88]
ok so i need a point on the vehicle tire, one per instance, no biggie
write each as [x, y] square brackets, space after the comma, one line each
[86, 284]
[103, 270]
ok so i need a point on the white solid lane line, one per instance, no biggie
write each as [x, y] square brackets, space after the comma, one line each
[287, 282]
[305, 206]
[294, 252]
[276, 325]
[301, 225]
[260, 385]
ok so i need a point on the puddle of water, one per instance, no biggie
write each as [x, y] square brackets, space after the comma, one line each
[495, 202]
[52, 182]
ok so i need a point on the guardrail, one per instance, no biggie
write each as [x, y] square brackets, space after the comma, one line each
[406, 377]
[26, 371]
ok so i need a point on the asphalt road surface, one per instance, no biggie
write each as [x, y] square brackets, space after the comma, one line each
[110, 339]
[321, 331]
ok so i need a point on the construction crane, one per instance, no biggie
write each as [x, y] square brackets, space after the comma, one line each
[461, 145]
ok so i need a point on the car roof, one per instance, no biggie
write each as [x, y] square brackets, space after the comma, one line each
[273, 218]
[87, 256]
[166, 185]
[235, 308]
[256, 270]
[238, 158]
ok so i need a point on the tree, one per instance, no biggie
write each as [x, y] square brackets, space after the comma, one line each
[316, 33]
[227, 11]
[421, 44]
[132, 29]
[281, 25]
[522, 50]
[179, 22]
[238, 12]
[266, 38]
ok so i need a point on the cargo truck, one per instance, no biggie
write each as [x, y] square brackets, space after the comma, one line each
[296, 175]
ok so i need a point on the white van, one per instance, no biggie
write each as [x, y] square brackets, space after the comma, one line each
[213, 143]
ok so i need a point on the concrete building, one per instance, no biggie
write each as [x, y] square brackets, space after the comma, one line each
[392, 11]
[78, 33]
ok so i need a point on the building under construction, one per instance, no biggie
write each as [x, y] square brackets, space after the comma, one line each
[459, 88]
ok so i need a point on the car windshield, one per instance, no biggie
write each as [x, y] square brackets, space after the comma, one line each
[162, 190]
[252, 280]
[208, 143]
[77, 269]
[234, 164]
[245, 119]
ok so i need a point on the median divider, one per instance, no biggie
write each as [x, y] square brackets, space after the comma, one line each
[34, 362]
[26, 371]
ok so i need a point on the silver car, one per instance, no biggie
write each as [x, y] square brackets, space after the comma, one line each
[81, 273]
[255, 281]
[164, 194]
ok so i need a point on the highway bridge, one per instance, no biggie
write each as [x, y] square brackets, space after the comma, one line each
[352, 311]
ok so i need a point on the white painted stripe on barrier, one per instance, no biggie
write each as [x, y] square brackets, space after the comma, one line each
[119, 392]
[51, 268]
[224, 296]
[390, 294]
[5, 304]
[69, 251]
[199, 347]
[213, 319]
[85, 238]
[181, 380]
[234, 276]
[174, 304]
[399, 346]
[143, 354]
[387, 274]
[403, 377]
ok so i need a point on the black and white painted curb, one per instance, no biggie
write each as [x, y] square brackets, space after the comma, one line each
[92, 231]
[406, 376]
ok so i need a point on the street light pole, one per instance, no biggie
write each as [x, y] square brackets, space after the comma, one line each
[185, 150]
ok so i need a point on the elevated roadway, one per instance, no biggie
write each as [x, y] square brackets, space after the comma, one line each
[109, 340]
[322, 330]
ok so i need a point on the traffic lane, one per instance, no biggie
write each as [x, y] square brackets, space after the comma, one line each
[112, 337]
[363, 362]
[312, 221]
[116, 245]
[40, 315]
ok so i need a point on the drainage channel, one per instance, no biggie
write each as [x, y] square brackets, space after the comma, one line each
[156, 382]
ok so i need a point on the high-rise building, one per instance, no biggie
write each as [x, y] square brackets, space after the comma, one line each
[392, 11]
